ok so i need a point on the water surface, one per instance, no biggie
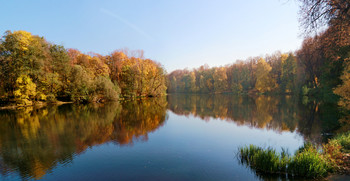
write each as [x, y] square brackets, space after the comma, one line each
[181, 137]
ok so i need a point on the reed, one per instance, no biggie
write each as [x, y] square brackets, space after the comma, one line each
[310, 163]
[307, 162]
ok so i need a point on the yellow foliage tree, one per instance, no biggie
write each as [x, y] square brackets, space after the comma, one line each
[24, 39]
[264, 82]
[25, 91]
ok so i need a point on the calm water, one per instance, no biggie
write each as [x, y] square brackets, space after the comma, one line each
[181, 137]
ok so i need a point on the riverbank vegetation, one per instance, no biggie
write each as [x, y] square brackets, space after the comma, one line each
[33, 70]
[309, 161]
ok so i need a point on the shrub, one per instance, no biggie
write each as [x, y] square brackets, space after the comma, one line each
[343, 140]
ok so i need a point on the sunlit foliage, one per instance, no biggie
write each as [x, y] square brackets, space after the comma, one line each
[32, 70]
[276, 73]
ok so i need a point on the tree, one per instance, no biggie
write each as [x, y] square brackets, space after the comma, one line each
[25, 91]
[220, 80]
[289, 73]
[80, 81]
[104, 89]
[264, 83]
[316, 14]
[312, 59]
[22, 54]
[343, 90]
[114, 62]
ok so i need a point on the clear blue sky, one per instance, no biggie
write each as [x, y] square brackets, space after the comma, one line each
[176, 33]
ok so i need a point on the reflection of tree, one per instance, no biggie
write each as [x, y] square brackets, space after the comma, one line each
[284, 113]
[138, 119]
[34, 141]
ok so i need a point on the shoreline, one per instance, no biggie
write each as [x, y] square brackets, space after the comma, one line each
[37, 105]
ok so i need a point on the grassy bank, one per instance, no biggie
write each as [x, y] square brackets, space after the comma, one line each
[309, 161]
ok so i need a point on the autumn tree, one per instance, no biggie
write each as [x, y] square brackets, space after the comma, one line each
[316, 14]
[344, 90]
[289, 74]
[22, 55]
[220, 80]
[264, 82]
[141, 77]
[25, 90]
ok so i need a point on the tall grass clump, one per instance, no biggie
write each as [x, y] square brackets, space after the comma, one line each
[264, 160]
[307, 161]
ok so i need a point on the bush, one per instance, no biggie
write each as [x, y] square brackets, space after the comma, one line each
[343, 140]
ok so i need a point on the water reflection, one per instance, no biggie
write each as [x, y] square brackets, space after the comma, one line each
[33, 142]
[277, 113]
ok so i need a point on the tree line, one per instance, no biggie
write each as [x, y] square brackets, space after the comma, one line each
[277, 72]
[33, 70]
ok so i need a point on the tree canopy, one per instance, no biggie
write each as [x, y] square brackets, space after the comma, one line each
[32, 70]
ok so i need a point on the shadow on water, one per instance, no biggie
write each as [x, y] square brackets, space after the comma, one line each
[33, 142]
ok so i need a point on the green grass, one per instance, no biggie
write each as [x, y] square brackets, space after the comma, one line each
[307, 162]
[264, 160]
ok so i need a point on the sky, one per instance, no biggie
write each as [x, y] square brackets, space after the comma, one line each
[176, 33]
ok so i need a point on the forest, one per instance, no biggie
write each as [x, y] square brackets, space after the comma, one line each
[32, 70]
